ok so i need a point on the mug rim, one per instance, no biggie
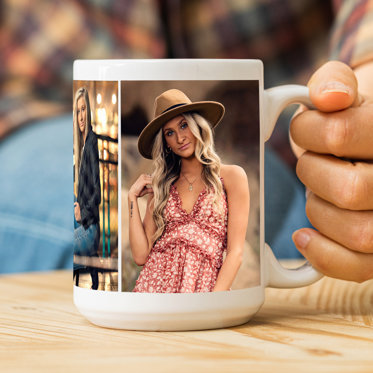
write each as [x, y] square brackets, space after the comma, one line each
[168, 69]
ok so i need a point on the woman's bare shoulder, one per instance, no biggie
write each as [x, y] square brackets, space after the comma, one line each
[232, 174]
[235, 182]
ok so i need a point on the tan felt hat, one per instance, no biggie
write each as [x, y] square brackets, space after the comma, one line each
[169, 105]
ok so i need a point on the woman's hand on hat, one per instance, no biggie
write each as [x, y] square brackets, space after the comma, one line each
[141, 187]
[335, 149]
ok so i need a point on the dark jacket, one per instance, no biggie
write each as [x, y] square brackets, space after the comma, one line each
[89, 189]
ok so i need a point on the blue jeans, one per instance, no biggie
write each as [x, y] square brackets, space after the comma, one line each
[284, 206]
[86, 240]
[36, 199]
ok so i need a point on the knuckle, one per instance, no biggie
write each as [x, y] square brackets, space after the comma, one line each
[365, 273]
[368, 273]
[337, 134]
[323, 263]
[353, 193]
[309, 209]
[301, 167]
[296, 123]
[364, 236]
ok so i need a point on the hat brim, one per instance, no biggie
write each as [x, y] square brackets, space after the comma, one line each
[212, 111]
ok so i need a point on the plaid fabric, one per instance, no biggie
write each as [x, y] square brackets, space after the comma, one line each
[352, 35]
[289, 36]
[39, 39]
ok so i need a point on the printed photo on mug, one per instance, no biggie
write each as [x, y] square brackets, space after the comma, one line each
[190, 153]
[95, 120]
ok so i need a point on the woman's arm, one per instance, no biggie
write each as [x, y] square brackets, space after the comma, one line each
[237, 189]
[140, 233]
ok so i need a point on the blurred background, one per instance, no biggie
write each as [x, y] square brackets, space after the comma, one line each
[40, 39]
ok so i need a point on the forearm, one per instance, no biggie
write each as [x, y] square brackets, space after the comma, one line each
[228, 271]
[140, 246]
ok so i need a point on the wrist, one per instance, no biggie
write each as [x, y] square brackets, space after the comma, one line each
[132, 197]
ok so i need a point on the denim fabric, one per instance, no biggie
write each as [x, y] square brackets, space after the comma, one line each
[86, 240]
[36, 197]
[284, 206]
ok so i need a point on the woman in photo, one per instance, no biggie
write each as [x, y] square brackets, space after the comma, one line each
[87, 175]
[197, 208]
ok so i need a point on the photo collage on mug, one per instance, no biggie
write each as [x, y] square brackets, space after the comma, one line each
[174, 227]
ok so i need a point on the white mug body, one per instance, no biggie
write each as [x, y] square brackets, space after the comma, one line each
[119, 307]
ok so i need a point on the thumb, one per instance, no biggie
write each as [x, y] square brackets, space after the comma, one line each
[333, 87]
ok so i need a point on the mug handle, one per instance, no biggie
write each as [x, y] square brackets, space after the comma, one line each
[275, 100]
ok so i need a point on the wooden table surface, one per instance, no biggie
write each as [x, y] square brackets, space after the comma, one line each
[326, 327]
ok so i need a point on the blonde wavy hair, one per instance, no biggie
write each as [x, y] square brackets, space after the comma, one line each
[78, 136]
[167, 168]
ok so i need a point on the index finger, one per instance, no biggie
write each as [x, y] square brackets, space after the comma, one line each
[347, 133]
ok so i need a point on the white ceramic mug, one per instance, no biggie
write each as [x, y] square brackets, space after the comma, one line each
[115, 85]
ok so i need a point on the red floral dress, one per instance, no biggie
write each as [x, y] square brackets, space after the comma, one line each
[188, 256]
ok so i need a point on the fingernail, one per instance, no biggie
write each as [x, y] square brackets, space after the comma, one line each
[335, 87]
[301, 239]
[307, 193]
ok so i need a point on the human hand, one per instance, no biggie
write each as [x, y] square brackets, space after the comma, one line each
[141, 187]
[77, 211]
[335, 148]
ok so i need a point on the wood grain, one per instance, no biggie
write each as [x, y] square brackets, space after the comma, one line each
[326, 327]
